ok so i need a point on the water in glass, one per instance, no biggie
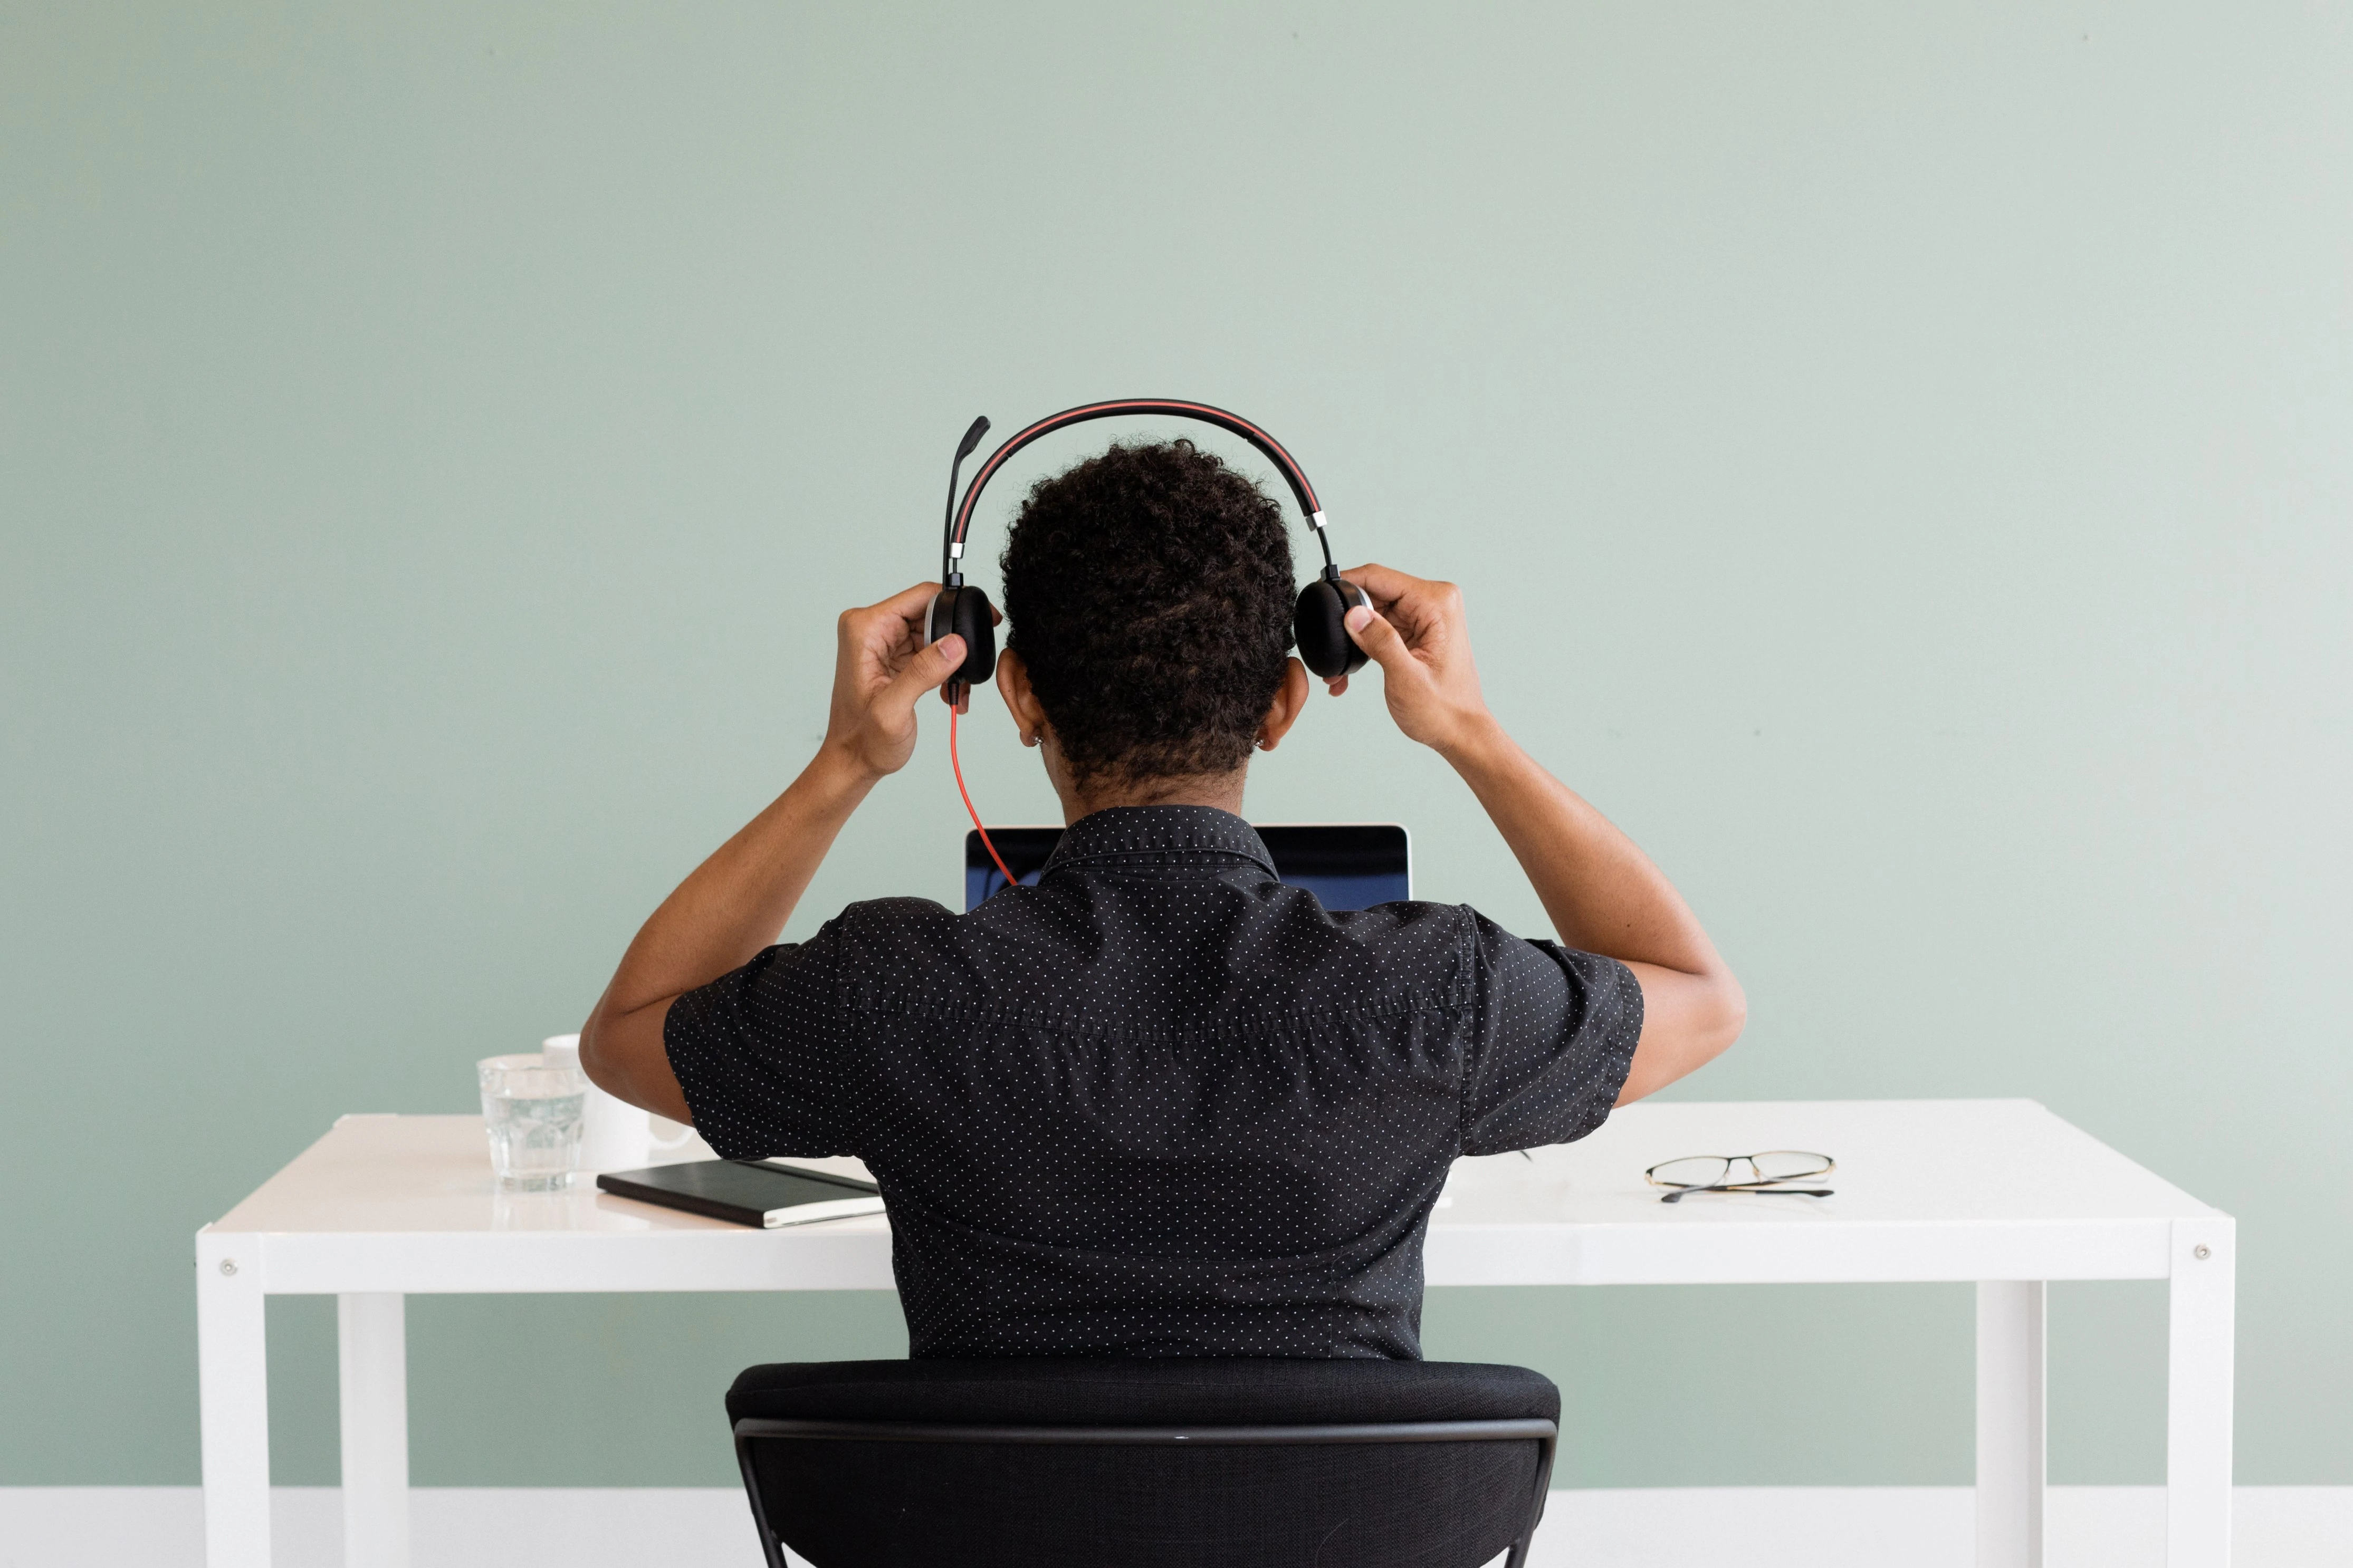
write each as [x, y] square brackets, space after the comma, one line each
[533, 1114]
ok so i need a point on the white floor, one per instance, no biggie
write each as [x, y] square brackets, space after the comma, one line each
[1762, 1527]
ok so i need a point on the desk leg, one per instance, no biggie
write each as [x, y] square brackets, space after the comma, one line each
[2197, 1408]
[233, 1397]
[2010, 1424]
[373, 1355]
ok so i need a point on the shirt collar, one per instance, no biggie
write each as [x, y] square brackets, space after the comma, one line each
[1158, 833]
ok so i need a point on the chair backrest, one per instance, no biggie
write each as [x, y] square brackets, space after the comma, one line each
[1182, 1463]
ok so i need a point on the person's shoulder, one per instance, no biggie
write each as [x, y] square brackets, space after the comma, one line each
[1433, 945]
[1412, 919]
[1014, 914]
[875, 937]
[1458, 929]
[894, 919]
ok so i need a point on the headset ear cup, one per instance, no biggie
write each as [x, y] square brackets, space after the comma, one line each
[1321, 627]
[964, 611]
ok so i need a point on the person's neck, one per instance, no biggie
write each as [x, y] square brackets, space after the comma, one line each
[1221, 791]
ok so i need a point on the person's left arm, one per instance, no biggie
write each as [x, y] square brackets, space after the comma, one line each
[733, 905]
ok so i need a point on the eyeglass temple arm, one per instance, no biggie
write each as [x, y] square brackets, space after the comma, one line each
[1682, 1193]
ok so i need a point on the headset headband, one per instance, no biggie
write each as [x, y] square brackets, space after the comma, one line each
[960, 519]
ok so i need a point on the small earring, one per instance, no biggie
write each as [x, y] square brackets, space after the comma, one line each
[1030, 741]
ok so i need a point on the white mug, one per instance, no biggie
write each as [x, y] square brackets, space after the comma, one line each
[617, 1136]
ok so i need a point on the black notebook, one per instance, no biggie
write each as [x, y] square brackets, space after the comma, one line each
[762, 1193]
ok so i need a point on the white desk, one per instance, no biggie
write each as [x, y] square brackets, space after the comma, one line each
[1998, 1192]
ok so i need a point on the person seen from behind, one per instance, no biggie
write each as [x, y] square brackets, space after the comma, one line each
[1160, 1104]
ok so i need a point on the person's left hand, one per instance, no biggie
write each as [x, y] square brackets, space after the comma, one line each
[881, 667]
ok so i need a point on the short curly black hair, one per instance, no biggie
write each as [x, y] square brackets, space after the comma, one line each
[1149, 592]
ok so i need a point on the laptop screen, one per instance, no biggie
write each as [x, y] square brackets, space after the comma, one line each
[1347, 865]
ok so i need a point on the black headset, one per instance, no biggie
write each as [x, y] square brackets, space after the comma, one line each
[1320, 625]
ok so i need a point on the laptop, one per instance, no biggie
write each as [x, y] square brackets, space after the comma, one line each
[1347, 865]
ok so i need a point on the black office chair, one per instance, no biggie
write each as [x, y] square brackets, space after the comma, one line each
[1065, 1463]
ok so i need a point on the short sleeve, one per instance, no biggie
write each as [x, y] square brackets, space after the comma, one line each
[1555, 1036]
[762, 1055]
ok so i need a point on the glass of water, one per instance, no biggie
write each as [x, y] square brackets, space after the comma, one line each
[533, 1111]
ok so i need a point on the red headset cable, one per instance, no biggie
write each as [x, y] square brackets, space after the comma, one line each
[1010, 879]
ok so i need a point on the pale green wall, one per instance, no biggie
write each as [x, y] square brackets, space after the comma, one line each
[1900, 461]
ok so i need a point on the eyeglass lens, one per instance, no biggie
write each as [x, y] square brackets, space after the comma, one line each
[1700, 1170]
[1783, 1166]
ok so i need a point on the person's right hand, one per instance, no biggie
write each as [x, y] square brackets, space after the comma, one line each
[882, 665]
[1422, 643]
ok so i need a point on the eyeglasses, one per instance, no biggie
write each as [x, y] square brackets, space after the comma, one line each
[1763, 1172]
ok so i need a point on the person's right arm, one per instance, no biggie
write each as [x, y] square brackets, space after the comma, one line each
[1602, 892]
[736, 901]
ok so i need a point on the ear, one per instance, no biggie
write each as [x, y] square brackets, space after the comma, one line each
[1289, 702]
[1020, 698]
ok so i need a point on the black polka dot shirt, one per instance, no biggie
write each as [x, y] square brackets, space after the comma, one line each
[1160, 1103]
